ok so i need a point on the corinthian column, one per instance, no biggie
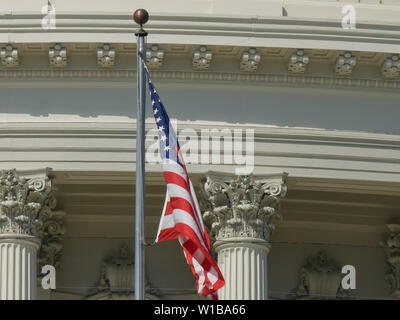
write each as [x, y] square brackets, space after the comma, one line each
[25, 210]
[239, 212]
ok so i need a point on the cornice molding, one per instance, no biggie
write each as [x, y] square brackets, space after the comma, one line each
[262, 133]
[206, 76]
[324, 154]
[288, 31]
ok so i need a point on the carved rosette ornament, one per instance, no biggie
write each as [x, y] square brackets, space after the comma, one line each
[9, 56]
[392, 250]
[26, 209]
[298, 61]
[105, 55]
[250, 60]
[58, 56]
[243, 206]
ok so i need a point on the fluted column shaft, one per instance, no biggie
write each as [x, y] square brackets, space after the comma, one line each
[18, 260]
[244, 267]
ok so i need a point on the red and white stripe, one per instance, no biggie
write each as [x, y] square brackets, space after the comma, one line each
[181, 219]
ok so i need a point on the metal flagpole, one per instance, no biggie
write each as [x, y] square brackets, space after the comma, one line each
[140, 16]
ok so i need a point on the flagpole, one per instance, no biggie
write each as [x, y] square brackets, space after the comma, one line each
[140, 16]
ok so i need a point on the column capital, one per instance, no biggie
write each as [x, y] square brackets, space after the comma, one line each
[27, 203]
[241, 208]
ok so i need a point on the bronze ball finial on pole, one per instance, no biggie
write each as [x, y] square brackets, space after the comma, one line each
[141, 16]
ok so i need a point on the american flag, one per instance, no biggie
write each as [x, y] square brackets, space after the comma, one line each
[181, 218]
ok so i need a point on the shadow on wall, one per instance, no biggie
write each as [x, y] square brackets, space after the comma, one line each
[282, 106]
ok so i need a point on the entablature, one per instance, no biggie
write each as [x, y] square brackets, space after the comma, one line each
[222, 63]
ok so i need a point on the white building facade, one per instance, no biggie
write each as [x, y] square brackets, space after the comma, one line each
[287, 113]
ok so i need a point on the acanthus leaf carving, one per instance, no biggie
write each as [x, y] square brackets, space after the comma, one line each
[242, 206]
[23, 202]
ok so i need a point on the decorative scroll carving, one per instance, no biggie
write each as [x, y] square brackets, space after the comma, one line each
[345, 64]
[154, 57]
[320, 278]
[392, 250]
[58, 56]
[105, 55]
[298, 61]
[243, 207]
[9, 56]
[51, 235]
[250, 60]
[117, 279]
[202, 58]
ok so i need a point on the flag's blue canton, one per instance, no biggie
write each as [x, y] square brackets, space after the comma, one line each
[169, 146]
